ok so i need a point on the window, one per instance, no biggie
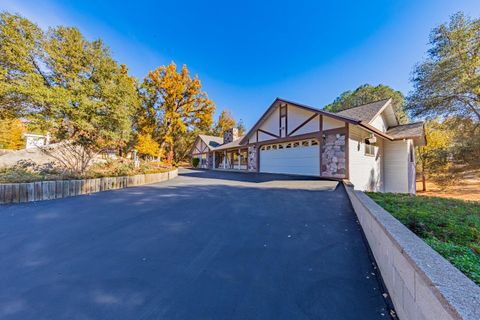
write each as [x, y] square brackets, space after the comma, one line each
[304, 143]
[289, 145]
[296, 144]
[280, 146]
[274, 147]
[243, 157]
[314, 143]
[369, 148]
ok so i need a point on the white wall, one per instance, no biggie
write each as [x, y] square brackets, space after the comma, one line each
[412, 177]
[264, 137]
[271, 124]
[297, 116]
[330, 123]
[380, 123]
[396, 166]
[365, 172]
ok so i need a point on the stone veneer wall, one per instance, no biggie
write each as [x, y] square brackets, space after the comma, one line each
[210, 160]
[252, 158]
[333, 155]
[230, 135]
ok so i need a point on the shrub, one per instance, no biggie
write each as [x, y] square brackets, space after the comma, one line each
[28, 171]
[195, 162]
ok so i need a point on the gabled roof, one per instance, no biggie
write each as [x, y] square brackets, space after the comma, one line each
[366, 112]
[406, 131]
[235, 143]
[299, 105]
[361, 115]
[211, 141]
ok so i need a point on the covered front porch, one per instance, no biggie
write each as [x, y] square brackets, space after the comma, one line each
[231, 159]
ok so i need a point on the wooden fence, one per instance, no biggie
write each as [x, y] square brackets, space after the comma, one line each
[48, 190]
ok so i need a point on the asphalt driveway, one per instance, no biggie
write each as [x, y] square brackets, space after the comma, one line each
[206, 245]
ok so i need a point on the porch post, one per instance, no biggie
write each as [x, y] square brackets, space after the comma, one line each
[347, 151]
[225, 159]
[320, 141]
[239, 159]
[213, 164]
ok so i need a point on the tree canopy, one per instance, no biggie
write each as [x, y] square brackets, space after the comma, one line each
[227, 121]
[65, 84]
[176, 107]
[11, 133]
[448, 82]
[367, 93]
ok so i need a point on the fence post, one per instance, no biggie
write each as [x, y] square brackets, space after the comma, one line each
[30, 191]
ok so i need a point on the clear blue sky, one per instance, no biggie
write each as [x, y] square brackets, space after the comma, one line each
[247, 53]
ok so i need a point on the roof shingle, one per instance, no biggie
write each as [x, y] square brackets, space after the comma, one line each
[405, 131]
[211, 141]
[235, 143]
[365, 112]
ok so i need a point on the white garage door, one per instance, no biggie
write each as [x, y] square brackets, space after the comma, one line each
[298, 157]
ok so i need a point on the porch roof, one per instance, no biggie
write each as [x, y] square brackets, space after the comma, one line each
[231, 145]
[415, 131]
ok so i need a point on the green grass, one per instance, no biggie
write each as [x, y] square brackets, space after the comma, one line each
[449, 226]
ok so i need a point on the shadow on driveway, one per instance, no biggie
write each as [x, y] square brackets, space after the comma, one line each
[190, 248]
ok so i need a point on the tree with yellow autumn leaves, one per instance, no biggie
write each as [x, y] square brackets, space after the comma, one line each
[174, 109]
[227, 121]
[11, 133]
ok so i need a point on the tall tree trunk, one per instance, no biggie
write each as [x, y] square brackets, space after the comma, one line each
[424, 183]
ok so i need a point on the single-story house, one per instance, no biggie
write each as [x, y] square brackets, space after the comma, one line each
[365, 145]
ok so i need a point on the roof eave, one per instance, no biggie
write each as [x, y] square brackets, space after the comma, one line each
[299, 105]
[375, 130]
[379, 112]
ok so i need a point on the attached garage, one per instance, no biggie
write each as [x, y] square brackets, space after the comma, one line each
[297, 157]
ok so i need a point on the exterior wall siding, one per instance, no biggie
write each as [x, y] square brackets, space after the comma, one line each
[366, 172]
[296, 117]
[330, 123]
[312, 126]
[380, 123]
[271, 124]
[396, 166]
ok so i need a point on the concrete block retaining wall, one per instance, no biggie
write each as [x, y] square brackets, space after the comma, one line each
[421, 283]
[47, 190]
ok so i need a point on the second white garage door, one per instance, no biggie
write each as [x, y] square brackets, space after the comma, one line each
[298, 157]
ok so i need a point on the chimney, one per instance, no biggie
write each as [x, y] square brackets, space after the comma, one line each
[230, 135]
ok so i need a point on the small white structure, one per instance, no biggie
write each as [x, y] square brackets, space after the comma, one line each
[36, 140]
[365, 145]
